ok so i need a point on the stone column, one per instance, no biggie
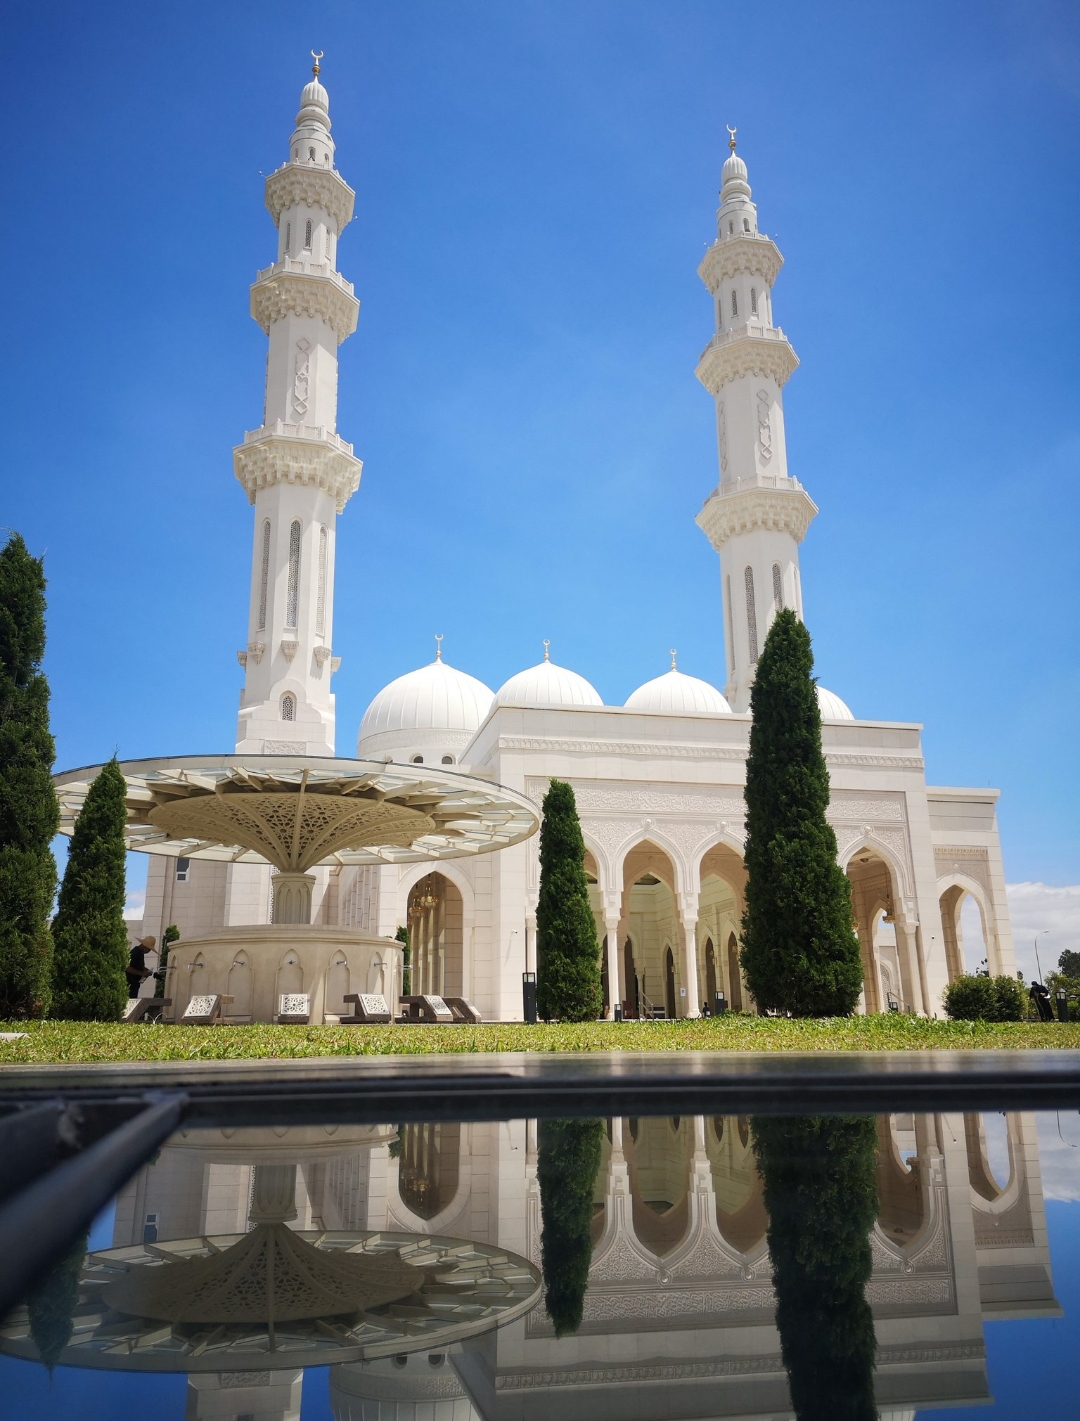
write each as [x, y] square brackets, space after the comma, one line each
[292, 897]
[690, 970]
[908, 954]
[614, 973]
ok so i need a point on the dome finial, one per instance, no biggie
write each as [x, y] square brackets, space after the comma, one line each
[672, 653]
[731, 139]
[438, 646]
[547, 646]
[315, 66]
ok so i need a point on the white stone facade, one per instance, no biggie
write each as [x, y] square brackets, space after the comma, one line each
[659, 781]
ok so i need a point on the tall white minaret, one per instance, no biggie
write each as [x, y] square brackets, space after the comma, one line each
[757, 516]
[297, 471]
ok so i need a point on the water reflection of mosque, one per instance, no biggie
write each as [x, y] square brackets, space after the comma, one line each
[678, 1318]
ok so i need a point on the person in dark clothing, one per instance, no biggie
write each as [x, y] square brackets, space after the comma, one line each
[1040, 995]
[137, 970]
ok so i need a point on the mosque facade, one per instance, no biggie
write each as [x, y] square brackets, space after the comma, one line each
[659, 781]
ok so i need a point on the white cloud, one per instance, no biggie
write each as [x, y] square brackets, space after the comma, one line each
[1035, 906]
[136, 902]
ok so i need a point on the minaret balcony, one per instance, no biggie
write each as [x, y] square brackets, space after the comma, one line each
[753, 349]
[762, 501]
[296, 185]
[745, 253]
[307, 454]
[301, 287]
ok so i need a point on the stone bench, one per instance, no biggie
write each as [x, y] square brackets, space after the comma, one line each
[294, 1009]
[369, 1008]
[204, 1010]
[428, 1009]
[145, 1008]
[463, 1011]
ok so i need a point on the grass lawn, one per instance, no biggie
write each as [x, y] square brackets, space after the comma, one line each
[79, 1042]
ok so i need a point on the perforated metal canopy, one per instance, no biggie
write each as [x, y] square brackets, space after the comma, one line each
[299, 811]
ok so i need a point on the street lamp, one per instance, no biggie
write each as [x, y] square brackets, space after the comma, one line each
[1038, 964]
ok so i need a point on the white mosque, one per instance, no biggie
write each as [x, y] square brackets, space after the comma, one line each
[659, 780]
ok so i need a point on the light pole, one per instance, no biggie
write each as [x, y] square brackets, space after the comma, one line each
[1038, 964]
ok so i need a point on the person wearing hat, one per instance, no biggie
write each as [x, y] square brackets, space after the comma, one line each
[137, 970]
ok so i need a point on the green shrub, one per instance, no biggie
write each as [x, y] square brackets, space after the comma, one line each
[977, 998]
[799, 951]
[568, 984]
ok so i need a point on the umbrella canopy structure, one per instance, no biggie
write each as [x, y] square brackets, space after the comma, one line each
[296, 812]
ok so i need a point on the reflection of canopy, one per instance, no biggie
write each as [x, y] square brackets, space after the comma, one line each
[462, 1289]
[271, 1275]
[295, 812]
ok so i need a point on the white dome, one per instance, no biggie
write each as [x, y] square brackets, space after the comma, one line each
[435, 698]
[677, 694]
[733, 170]
[547, 685]
[831, 706]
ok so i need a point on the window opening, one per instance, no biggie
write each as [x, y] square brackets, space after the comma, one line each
[753, 301]
[307, 236]
[288, 238]
[418, 759]
[751, 613]
[311, 155]
[730, 228]
[777, 587]
[327, 251]
[264, 574]
[746, 224]
[730, 648]
[288, 706]
[182, 867]
[734, 303]
[293, 603]
[320, 605]
[448, 759]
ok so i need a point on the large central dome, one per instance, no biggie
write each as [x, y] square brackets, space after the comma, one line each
[428, 715]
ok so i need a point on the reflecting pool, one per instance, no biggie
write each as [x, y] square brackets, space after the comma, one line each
[642, 1269]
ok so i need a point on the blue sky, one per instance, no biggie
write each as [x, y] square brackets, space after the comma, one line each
[536, 183]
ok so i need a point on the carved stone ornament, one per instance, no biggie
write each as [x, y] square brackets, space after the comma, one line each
[726, 515]
[746, 352]
[294, 185]
[289, 649]
[288, 293]
[242, 657]
[322, 655]
[255, 651]
[288, 453]
[750, 254]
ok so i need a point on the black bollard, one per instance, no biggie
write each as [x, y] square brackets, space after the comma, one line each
[1062, 1004]
[528, 996]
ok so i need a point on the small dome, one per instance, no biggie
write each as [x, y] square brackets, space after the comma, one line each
[547, 685]
[677, 694]
[314, 93]
[831, 706]
[734, 169]
[435, 697]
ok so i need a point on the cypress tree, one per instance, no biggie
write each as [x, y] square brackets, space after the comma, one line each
[29, 813]
[800, 952]
[821, 1198]
[52, 1302]
[567, 1163]
[89, 932]
[568, 986]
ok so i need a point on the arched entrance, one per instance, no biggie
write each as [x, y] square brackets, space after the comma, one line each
[740, 1204]
[963, 923]
[669, 984]
[648, 910]
[722, 877]
[734, 973]
[710, 973]
[873, 900]
[436, 925]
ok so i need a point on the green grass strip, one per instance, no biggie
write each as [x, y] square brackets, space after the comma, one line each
[80, 1042]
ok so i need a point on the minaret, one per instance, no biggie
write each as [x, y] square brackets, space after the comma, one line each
[757, 516]
[296, 469]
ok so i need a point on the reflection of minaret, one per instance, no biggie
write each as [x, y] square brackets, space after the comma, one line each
[296, 470]
[758, 516]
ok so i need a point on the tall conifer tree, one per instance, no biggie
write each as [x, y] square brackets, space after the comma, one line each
[91, 941]
[800, 952]
[568, 986]
[29, 813]
[567, 1163]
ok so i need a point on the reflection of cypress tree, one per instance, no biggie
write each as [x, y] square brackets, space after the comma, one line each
[52, 1303]
[568, 1161]
[818, 1178]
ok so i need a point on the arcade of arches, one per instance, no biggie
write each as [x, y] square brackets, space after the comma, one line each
[670, 952]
